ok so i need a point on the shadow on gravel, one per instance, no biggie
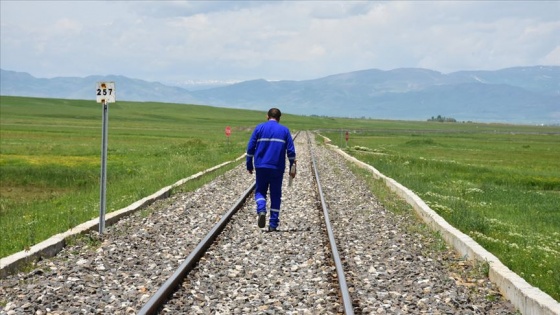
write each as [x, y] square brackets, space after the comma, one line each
[288, 230]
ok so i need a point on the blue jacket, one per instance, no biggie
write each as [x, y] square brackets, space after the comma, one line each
[269, 145]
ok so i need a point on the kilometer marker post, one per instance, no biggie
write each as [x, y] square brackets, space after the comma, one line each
[105, 93]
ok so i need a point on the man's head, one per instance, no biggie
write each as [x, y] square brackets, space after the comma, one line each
[274, 113]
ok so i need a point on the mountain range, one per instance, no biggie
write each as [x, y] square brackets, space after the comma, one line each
[527, 95]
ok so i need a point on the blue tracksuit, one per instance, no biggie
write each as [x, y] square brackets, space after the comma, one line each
[269, 146]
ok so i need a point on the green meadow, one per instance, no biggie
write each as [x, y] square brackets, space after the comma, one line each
[500, 184]
[50, 157]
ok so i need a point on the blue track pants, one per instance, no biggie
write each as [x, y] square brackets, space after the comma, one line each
[269, 178]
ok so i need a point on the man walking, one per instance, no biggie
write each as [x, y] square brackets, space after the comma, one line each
[269, 145]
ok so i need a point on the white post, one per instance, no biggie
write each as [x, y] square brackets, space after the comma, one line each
[105, 94]
[102, 202]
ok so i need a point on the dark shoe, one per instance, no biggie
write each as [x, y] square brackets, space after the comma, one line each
[272, 229]
[262, 219]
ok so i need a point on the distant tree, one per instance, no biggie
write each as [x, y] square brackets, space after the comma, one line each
[442, 119]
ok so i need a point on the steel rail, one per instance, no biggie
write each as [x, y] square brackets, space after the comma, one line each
[297, 134]
[162, 294]
[348, 309]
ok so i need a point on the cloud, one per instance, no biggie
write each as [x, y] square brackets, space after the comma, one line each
[170, 9]
[242, 40]
[552, 58]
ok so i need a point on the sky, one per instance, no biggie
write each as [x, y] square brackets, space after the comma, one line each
[231, 41]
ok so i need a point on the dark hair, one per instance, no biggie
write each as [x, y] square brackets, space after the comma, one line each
[274, 113]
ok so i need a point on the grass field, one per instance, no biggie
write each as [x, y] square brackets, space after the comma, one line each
[498, 183]
[50, 155]
[500, 186]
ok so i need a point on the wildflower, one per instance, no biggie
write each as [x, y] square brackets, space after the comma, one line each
[474, 190]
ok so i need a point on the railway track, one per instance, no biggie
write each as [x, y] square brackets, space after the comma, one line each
[390, 263]
[229, 246]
